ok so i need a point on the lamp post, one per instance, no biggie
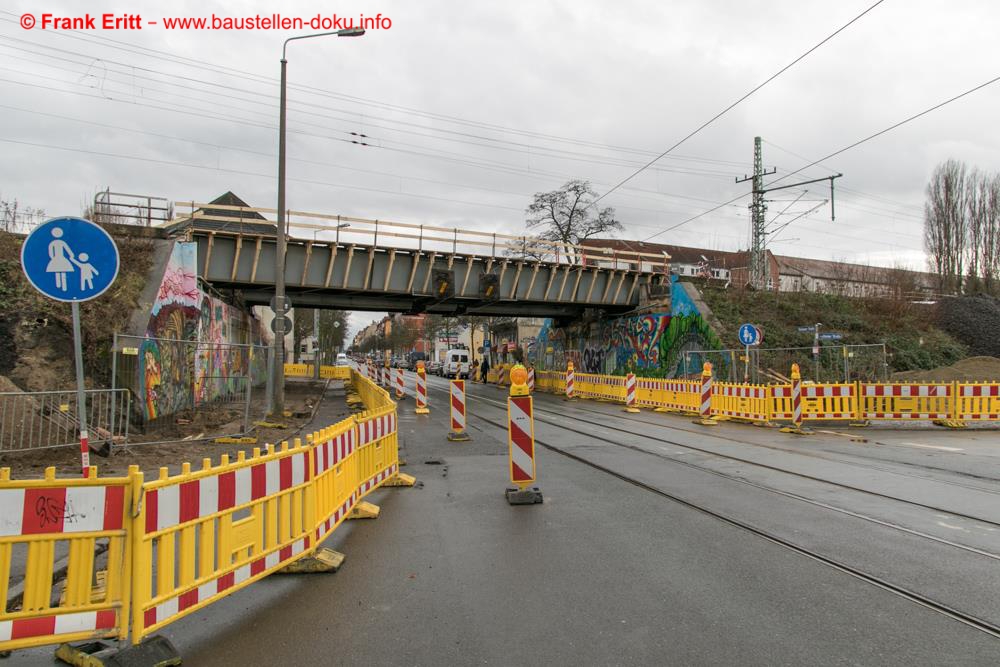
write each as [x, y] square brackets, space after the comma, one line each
[278, 368]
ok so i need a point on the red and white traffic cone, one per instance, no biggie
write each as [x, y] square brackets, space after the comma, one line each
[421, 394]
[521, 441]
[457, 433]
[570, 391]
[706, 397]
[630, 398]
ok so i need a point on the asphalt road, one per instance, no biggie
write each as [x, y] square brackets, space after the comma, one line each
[606, 572]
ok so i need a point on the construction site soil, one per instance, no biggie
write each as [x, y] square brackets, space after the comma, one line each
[972, 369]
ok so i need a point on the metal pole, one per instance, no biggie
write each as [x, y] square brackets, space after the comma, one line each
[246, 408]
[81, 395]
[847, 368]
[316, 344]
[816, 348]
[114, 383]
[278, 362]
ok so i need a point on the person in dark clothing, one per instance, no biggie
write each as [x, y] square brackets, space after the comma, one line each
[484, 369]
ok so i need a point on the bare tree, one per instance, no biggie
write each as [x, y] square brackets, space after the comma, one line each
[945, 229]
[567, 216]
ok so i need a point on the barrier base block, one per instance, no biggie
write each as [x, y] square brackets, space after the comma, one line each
[764, 424]
[400, 479]
[706, 421]
[860, 424]
[797, 430]
[323, 560]
[155, 651]
[458, 436]
[633, 410]
[950, 423]
[364, 510]
[662, 409]
[528, 496]
[569, 398]
[421, 411]
[230, 440]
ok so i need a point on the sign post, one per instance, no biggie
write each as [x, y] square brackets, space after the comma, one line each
[72, 260]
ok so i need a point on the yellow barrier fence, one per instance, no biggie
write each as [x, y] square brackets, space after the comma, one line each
[898, 401]
[177, 543]
[741, 401]
[601, 387]
[551, 381]
[977, 401]
[325, 372]
[45, 521]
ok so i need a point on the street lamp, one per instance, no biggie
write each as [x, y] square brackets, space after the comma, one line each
[278, 367]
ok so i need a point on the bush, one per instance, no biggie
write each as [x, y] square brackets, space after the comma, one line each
[973, 320]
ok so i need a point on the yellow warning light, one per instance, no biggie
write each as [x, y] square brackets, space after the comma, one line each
[518, 380]
[420, 365]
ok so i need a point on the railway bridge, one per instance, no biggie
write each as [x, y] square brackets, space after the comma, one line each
[354, 263]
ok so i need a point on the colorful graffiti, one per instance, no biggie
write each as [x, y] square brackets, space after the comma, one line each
[195, 349]
[650, 345]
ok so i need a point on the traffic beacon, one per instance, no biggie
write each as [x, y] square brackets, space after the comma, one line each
[796, 426]
[521, 441]
[457, 433]
[706, 397]
[421, 395]
[570, 378]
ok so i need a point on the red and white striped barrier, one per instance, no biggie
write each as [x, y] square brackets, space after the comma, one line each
[458, 433]
[62, 624]
[173, 505]
[570, 382]
[630, 393]
[796, 400]
[75, 509]
[400, 384]
[502, 375]
[521, 435]
[531, 380]
[840, 395]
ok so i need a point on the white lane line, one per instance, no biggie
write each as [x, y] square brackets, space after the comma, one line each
[944, 449]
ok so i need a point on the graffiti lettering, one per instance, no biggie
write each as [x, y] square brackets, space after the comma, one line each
[49, 511]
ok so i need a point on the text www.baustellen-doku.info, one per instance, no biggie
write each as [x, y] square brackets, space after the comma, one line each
[127, 21]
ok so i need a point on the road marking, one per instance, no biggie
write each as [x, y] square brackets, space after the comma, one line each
[917, 444]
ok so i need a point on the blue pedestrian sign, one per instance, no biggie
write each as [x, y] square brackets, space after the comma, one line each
[70, 259]
[749, 335]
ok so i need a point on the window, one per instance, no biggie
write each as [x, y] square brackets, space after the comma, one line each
[464, 358]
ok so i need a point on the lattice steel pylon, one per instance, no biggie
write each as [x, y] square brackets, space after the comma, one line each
[759, 269]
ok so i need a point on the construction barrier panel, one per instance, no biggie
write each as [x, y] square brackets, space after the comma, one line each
[977, 402]
[325, 372]
[47, 524]
[741, 401]
[909, 401]
[175, 544]
[601, 387]
[550, 381]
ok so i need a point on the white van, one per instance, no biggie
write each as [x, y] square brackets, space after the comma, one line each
[342, 359]
[456, 364]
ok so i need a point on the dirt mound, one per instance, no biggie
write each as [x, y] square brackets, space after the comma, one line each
[973, 369]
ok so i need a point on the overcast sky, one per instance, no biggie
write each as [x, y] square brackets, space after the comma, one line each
[472, 107]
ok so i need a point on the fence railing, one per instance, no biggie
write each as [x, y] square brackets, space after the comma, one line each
[42, 419]
[832, 363]
[342, 229]
[178, 543]
[167, 376]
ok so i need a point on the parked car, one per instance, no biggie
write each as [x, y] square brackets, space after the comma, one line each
[434, 367]
[342, 359]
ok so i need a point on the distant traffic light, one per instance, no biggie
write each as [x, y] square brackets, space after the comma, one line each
[444, 284]
[489, 286]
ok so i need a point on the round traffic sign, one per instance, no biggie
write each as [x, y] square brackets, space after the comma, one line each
[749, 335]
[70, 259]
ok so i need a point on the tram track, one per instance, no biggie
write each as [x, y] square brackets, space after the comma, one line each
[881, 582]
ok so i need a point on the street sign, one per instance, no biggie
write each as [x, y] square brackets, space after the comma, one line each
[70, 259]
[281, 305]
[288, 323]
[808, 329]
[749, 335]
[831, 335]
